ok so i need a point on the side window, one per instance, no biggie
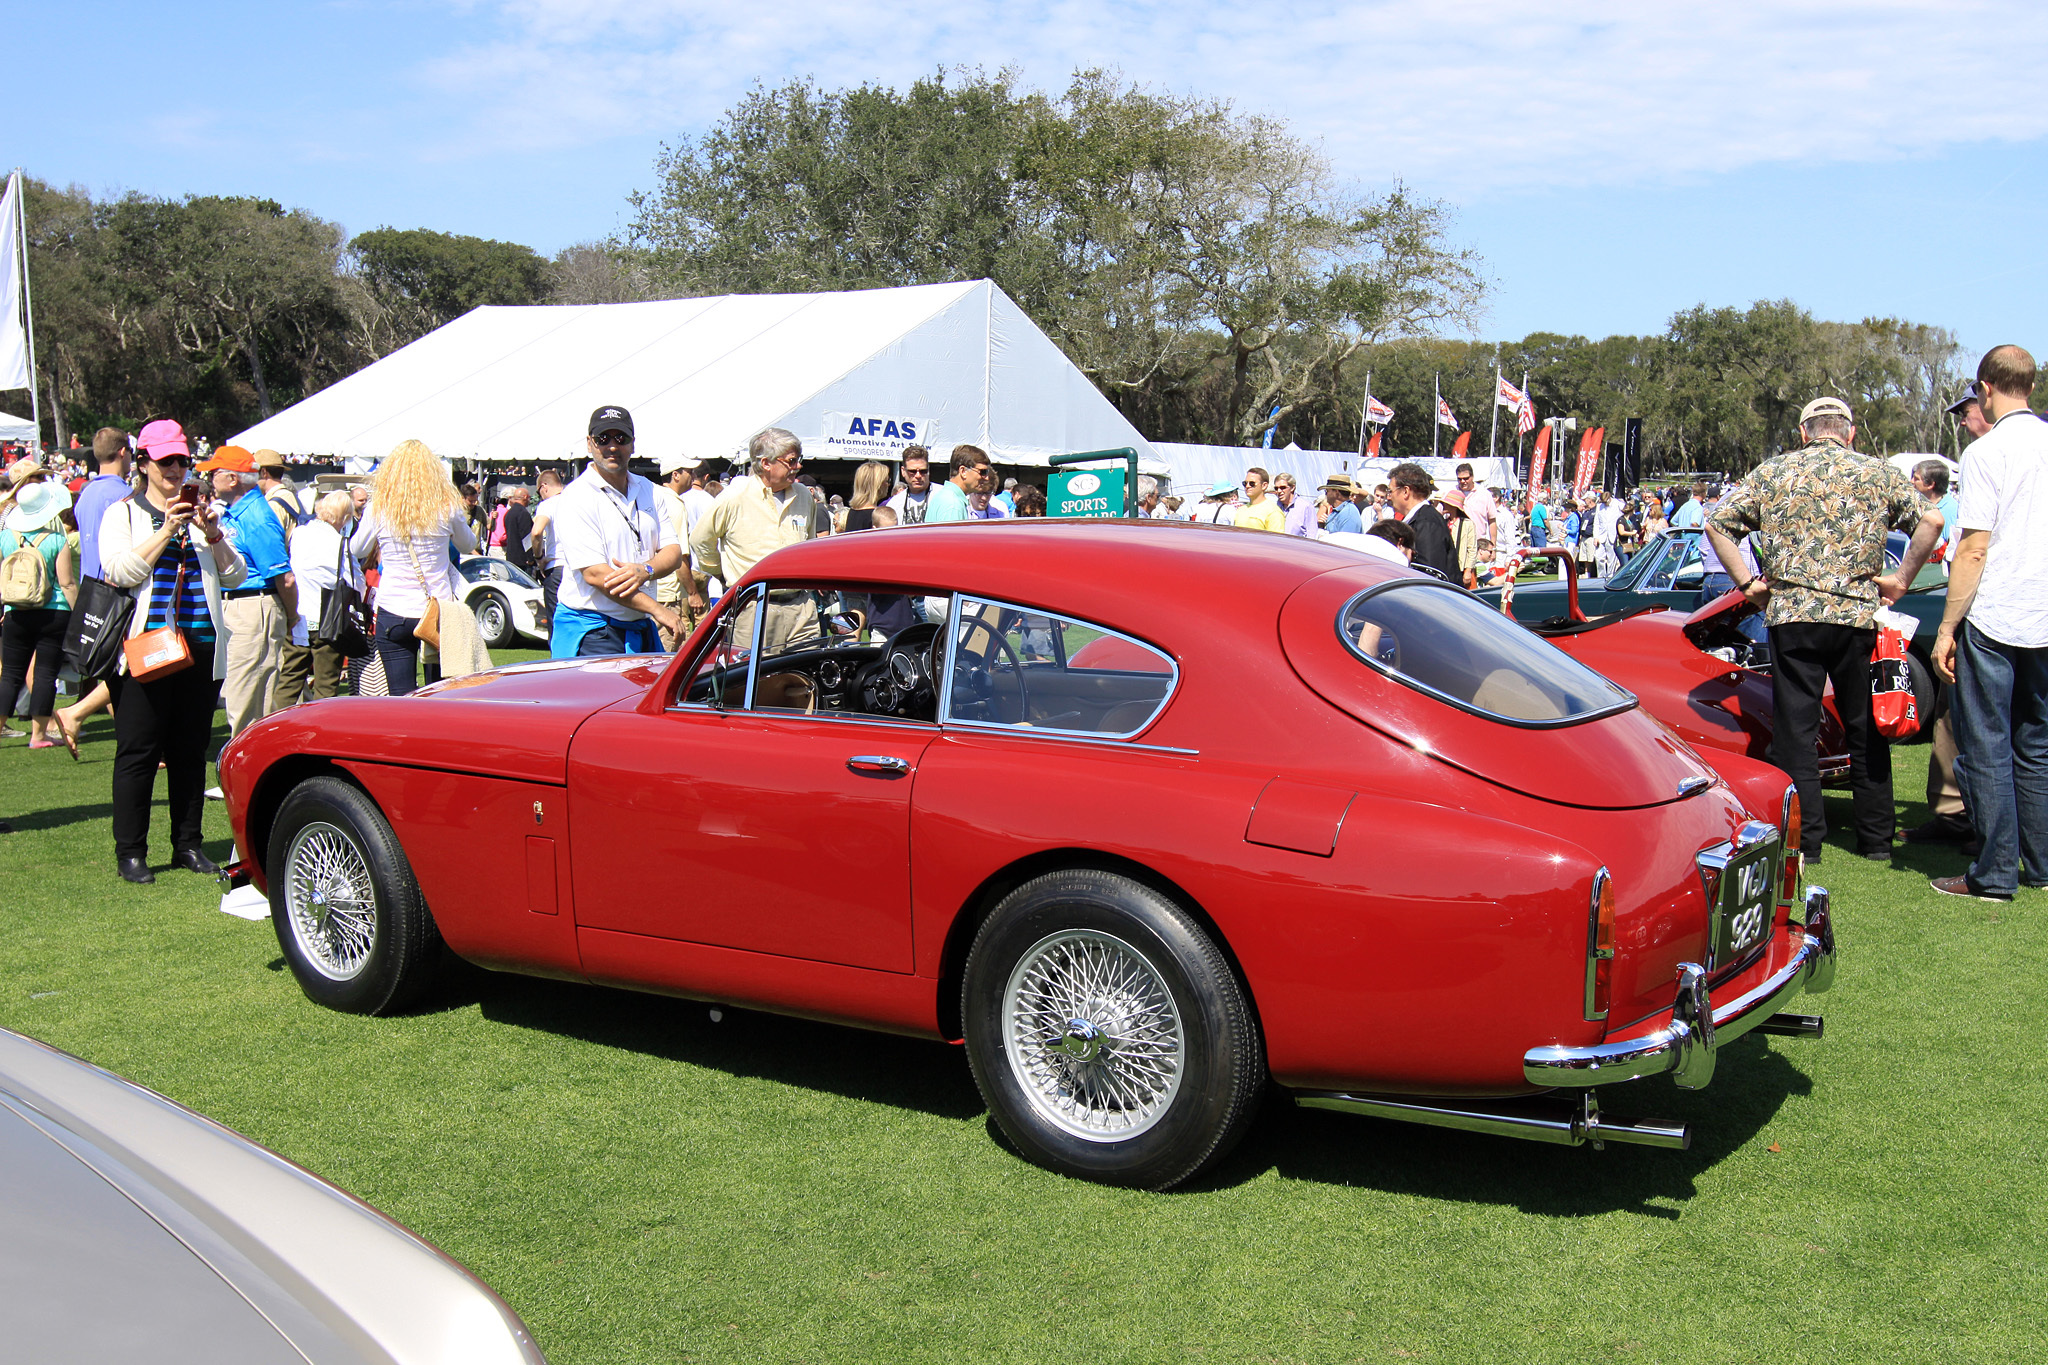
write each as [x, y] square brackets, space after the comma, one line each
[1013, 666]
[720, 676]
[1660, 576]
[818, 650]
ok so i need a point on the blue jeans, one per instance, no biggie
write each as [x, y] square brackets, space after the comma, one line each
[2000, 712]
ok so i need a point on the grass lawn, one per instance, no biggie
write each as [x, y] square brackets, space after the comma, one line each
[644, 1184]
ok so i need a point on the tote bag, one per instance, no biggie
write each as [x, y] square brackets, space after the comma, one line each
[98, 629]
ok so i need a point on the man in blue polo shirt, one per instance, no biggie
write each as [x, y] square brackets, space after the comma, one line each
[259, 614]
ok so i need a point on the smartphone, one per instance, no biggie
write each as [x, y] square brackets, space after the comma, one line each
[188, 494]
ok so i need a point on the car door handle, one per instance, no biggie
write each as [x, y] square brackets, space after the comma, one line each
[879, 763]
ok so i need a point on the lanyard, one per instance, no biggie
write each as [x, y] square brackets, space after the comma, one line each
[619, 504]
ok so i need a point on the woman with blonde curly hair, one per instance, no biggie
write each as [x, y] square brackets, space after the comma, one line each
[413, 518]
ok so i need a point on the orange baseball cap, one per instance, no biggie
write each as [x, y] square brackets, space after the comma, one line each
[229, 457]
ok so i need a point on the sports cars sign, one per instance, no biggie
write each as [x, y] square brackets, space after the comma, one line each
[1086, 493]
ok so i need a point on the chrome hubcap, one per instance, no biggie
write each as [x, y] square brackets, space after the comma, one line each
[1093, 1035]
[329, 900]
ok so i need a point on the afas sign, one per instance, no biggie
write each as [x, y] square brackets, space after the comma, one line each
[879, 435]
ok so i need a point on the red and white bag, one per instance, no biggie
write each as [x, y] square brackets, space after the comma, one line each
[1892, 703]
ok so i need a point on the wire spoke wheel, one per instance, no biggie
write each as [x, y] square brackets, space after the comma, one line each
[1093, 1035]
[331, 900]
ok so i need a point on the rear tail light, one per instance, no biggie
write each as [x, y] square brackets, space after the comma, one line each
[1788, 890]
[1599, 945]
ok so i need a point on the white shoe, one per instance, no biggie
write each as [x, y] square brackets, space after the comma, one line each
[216, 794]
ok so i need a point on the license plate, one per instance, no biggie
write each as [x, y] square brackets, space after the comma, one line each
[1747, 898]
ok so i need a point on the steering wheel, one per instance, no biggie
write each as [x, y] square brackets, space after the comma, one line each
[974, 674]
[906, 681]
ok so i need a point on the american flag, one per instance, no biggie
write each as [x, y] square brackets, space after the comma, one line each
[1444, 416]
[1525, 416]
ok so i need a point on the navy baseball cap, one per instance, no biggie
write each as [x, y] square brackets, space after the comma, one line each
[611, 417]
[1969, 397]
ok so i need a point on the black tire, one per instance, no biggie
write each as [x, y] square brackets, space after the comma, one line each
[353, 924]
[494, 619]
[1150, 1093]
[1923, 697]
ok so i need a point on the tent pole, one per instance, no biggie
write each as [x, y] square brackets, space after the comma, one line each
[35, 402]
[1436, 415]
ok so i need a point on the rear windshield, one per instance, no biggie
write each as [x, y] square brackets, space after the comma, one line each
[1440, 640]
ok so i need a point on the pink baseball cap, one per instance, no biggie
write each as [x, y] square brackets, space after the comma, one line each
[162, 438]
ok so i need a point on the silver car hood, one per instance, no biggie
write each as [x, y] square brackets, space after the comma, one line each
[137, 1229]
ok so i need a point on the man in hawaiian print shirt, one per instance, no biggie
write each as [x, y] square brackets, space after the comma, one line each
[1820, 514]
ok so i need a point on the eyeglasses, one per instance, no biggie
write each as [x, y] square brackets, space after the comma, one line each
[612, 440]
[1253, 483]
[787, 458]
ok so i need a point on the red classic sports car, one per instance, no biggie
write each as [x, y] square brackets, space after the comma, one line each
[1148, 815]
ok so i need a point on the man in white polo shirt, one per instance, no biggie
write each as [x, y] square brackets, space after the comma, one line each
[613, 543]
[1993, 642]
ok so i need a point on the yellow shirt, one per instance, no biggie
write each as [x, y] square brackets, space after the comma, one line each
[1264, 515]
[746, 525]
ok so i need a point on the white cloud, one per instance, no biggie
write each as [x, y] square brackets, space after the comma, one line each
[1460, 97]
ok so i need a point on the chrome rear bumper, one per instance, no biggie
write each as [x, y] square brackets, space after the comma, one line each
[1698, 1026]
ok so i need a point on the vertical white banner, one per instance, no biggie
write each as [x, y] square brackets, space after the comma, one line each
[14, 369]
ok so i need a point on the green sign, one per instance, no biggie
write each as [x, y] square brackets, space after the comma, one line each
[1086, 493]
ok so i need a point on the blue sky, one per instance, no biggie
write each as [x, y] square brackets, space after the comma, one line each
[1612, 162]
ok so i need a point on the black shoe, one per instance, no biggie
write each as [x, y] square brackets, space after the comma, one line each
[1883, 855]
[1809, 858]
[192, 860]
[1942, 829]
[135, 870]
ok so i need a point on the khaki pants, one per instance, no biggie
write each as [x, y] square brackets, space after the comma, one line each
[1944, 797]
[257, 636]
[787, 624]
[680, 605]
[294, 669]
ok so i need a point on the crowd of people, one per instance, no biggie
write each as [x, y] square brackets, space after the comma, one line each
[232, 569]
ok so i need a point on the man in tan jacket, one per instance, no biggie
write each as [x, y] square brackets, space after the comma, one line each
[754, 517]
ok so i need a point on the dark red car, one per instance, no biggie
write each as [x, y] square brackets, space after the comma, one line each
[1150, 815]
[1699, 673]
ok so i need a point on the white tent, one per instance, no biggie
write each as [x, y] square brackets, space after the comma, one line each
[16, 428]
[856, 375]
[1197, 467]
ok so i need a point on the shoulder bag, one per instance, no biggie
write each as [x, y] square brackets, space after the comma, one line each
[161, 652]
[347, 623]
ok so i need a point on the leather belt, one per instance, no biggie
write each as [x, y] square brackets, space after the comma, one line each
[237, 593]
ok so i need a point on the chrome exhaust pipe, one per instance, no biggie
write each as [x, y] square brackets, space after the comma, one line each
[1792, 1025]
[1566, 1125]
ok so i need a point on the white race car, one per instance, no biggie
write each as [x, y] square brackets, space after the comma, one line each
[506, 600]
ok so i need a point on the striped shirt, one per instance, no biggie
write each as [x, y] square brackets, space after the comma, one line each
[191, 615]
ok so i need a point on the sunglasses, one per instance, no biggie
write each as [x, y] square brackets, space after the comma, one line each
[171, 459]
[612, 440]
[786, 459]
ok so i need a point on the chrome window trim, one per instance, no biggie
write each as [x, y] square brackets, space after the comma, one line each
[752, 652]
[760, 592]
[1071, 737]
[1628, 700]
[946, 682]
